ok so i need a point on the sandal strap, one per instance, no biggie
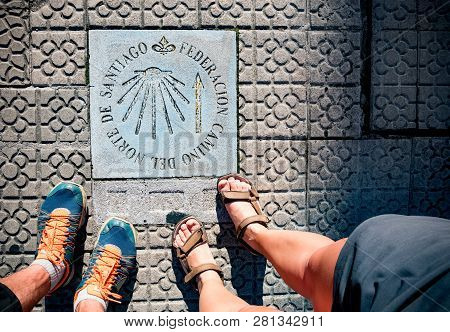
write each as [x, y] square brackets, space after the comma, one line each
[197, 238]
[258, 219]
[202, 268]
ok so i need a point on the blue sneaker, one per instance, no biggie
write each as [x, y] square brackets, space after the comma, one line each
[111, 263]
[61, 216]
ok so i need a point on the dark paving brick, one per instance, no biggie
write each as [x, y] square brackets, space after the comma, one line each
[430, 203]
[393, 107]
[431, 163]
[104, 13]
[170, 13]
[280, 56]
[275, 165]
[18, 226]
[394, 14]
[433, 14]
[333, 213]
[60, 14]
[395, 58]
[58, 57]
[14, 45]
[284, 13]
[276, 110]
[335, 13]
[334, 112]
[333, 164]
[19, 168]
[434, 58]
[334, 57]
[18, 115]
[385, 163]
[433, 109]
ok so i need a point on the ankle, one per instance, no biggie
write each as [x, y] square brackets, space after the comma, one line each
[253, 233]
[208, 277]
[39, 276]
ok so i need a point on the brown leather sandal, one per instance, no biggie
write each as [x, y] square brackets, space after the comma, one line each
[196, 239]
[251, 196]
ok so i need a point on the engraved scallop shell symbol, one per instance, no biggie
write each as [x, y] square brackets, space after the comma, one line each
[148, 85]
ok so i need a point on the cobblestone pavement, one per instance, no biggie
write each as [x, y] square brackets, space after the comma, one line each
[344, 111]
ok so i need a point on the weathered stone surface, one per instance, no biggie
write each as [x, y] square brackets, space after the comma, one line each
[433, 109]
[216, 13]
[333, 213]
[19, 172]
[334, 57]
[274, 165]
[393, 107]
[67, 164]
[272, 111]
[63, 115]
[430, 203]
[384, 163]
[18, 115]
[44, 115]
[179, 13]
[431, 163]
[303, 142]
[335, 13]
[394, 14]
[334, 112]
[15, 3]
[58, 57]
[114, 13]
[164, 200]
[433, 15]
[284, 13]
[395, 58]
[167, 113]
[14, 45]
[246, 52]
[280, 57]
[58, 13]
[434, 58]
[375, 202]
[286, 210]
[333, 164]
[19, 228]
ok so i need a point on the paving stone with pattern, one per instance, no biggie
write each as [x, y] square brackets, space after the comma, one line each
[339, 121]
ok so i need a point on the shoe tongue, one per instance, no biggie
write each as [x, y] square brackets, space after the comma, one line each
[60, 212]
[94, 290]
[113, 248]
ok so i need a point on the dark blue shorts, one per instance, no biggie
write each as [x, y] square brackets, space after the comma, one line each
[8, 300]
[395, 263]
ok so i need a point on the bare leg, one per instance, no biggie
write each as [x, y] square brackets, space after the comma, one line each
[309, 267]
[89, 306]
[213, 295]
[30, 285]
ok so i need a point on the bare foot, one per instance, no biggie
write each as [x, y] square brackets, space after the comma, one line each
[239, 210]
[200, 255]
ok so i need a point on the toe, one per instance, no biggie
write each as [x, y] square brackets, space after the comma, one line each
[182, 236]
[246, 186]
[193, 225]
[186, 231]
[178, 242]
[224, 185]
[233, 184]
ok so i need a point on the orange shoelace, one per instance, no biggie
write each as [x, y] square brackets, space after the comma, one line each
[54, 237]
[104, 273]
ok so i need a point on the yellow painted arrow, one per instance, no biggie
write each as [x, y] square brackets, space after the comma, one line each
[198, 86]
